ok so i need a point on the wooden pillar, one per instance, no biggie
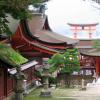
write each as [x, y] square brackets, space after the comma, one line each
[97, 67]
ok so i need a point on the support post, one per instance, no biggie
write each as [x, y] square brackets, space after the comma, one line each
[97, 68]
[83, 85]
[19, 89]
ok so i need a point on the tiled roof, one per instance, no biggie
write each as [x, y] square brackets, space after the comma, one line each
[52, 37]
[36, 25]
[92, 52]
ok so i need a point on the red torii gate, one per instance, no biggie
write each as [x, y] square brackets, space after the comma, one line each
[90, 28]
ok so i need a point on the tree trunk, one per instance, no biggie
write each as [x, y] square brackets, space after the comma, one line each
[68, 79]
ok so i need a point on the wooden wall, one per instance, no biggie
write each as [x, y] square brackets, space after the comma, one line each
[1, 83]
[7, 82]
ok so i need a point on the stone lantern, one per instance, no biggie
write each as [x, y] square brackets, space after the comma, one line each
[46, 91]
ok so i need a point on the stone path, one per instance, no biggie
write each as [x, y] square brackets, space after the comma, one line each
[91, 93]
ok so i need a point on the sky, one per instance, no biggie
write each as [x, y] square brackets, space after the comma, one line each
[62, 12]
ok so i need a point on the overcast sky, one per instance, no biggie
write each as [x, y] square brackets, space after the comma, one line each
[61, 12]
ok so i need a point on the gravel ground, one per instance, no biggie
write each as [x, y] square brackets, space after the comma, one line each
[91, 93]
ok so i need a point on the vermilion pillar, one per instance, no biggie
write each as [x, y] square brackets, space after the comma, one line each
[97, 67]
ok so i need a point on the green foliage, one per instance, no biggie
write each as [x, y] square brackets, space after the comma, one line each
[10, 56]
[55, 62]
[38, 73]
[3, 23]
[52, 69]
[71, 61]
[96, 44]
[66, 63]
[52, 80]
[18, 9]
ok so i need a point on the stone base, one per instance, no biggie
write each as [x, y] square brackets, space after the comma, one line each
[19, 96]
[83, 89]
[45, 93]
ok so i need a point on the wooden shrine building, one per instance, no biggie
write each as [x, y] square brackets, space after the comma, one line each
[7, 69]
[34, 39]
[95, 54]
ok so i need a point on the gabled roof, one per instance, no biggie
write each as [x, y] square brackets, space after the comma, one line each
[23, 67]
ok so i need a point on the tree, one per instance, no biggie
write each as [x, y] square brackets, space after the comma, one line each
[56, 62]
[71, 61]
[65, 63]
[18, 9]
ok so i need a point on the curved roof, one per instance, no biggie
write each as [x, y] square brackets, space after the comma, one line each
[52, 37]
[36, 25]
[92, 52]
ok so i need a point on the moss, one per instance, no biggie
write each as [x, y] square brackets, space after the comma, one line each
[10, 56]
